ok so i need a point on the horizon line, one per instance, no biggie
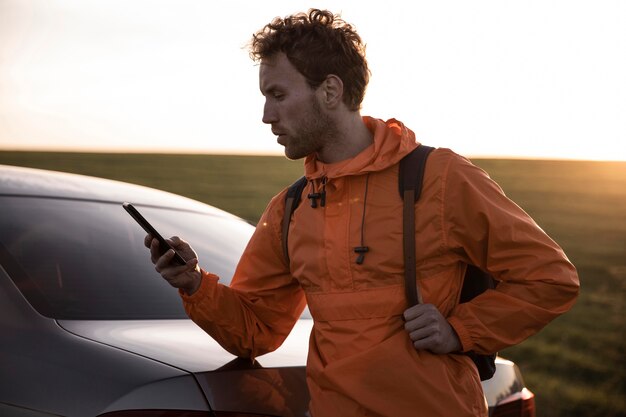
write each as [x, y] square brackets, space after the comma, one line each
[232, 152]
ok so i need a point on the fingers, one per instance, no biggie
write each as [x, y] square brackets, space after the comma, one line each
[164, 265]
[155, 251]
[161, 259]
[175, 241]
[165, 261]
[186, 277]
[170, 270]
[423, 326]
[428, 329]
[420, 315]
[425, 339]
[182, 247]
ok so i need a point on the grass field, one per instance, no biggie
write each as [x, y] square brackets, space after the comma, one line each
[576, 365]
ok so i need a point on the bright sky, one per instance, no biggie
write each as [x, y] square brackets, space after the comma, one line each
[526, 78]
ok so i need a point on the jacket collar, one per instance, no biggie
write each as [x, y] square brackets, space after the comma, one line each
[392, 141]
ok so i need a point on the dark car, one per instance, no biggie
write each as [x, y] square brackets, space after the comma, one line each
[90, 329]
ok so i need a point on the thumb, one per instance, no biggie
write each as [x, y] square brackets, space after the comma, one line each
[175, 241]
[192, 264]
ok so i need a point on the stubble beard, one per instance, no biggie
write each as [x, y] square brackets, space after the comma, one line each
[316, 131]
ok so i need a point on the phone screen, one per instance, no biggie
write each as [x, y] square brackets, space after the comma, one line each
[163, 245]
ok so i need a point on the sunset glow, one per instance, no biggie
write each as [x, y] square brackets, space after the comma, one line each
[487, 78]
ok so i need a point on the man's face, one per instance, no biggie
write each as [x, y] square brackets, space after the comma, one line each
[293, 108]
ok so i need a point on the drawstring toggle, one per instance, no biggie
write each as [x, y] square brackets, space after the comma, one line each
[361, 250]
[314, 196]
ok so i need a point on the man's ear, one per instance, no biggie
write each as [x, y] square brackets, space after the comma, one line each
[331, 90]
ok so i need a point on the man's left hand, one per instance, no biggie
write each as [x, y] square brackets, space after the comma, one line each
[428, 329]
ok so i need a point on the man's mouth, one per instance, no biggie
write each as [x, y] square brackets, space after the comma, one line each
[280, 138]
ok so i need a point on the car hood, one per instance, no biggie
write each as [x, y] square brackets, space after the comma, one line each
[182, 344]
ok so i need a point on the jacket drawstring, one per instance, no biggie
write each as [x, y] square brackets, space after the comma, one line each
[314, 196]
[362, 250]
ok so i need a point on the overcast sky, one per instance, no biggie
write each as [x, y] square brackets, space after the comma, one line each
[485, 78]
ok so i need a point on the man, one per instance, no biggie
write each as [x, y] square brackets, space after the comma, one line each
[369, 355]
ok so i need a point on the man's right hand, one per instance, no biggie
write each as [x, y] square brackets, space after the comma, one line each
[186, 277]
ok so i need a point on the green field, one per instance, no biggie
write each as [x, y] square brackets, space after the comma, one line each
[576, 365]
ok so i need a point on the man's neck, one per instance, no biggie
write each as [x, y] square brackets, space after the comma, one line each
[353, 136]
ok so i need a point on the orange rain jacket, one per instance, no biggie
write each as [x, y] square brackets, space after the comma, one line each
[361, 361]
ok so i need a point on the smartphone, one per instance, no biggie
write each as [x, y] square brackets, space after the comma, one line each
[163, 245]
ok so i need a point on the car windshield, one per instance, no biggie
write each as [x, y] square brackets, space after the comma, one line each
[86, 260]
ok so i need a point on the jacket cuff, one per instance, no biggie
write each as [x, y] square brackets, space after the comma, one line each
[207, 283]
[464, 337]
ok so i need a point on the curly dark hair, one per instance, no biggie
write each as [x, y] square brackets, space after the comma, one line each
[318, 44]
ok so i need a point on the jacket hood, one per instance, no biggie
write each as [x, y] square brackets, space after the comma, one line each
[392, 141]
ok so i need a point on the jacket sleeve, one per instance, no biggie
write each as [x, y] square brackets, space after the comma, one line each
[485, 228]
[257, 311]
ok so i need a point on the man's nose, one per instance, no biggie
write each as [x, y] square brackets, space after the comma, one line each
[269, 114]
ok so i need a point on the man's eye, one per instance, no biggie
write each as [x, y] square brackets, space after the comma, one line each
[278, 96]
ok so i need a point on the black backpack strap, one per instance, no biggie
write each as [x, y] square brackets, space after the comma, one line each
[410, 179]
[292, 199]
[412, 169]
[475, 281]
